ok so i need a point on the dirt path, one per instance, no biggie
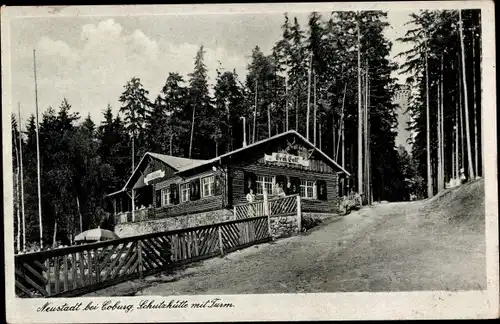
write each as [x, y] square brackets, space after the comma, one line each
[387, 247]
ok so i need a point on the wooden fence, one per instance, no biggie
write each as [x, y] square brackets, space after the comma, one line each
[273, 207]
[81, 269]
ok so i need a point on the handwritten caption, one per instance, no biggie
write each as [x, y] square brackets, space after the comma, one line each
[118, 305]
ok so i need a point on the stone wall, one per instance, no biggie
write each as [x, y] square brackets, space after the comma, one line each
[173, 223]
[284, 226]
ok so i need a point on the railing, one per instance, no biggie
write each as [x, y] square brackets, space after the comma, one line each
[272, 207]
[81, 269]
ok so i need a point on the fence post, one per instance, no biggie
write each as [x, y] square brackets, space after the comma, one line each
[299, 214]
[139, 256]
[266, 203]
[234, 212]
[220, 241]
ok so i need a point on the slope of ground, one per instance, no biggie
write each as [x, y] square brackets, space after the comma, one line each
[461, 207]
[435, 244]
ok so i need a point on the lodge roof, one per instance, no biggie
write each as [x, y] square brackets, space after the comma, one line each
[181, 165]
[220, 157]
[176, 162]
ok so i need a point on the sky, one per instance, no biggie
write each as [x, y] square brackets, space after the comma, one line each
[88, 60]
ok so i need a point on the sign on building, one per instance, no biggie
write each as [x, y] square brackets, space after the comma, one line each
[286, 158]
[154, 175]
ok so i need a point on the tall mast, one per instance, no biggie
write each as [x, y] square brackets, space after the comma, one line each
[22, 177]
[38, 155]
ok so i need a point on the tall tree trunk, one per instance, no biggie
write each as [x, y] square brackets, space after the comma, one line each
[439, 139]
[308, 96]
[341, 129]
[320, 146]
[54, 238]
[466, 101]
[192, 132]
[360, 114]
[367, 135]
[456, 176]
[428, 130]
[18, 209]
[297, 114]
[269, 120]
[255, 110]
[286, 102]
[315, 112]
[476, 151]
[171, 140]
[133, 169]
[441, 128]
[334, 152]
[79, 213]
[23, 214]
[461, 126]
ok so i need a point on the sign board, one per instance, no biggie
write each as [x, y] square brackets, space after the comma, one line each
[154, 175]
[286, 158]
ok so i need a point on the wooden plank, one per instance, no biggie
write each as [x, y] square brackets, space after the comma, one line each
[139, 259]
[56, 274]
[115, 261]
[74, 279]
[65, 272]
[90, 267]
[40, 265]
[24, 289]
[220, 241]
[38, 275]
[31, 282]
[49, 284]
[96, 264]
[81, 264]
[129, 254]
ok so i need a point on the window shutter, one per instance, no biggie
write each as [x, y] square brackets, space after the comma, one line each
[174, 194]
[194, 190]
[217, 184]
[321, 189]
[158, 198]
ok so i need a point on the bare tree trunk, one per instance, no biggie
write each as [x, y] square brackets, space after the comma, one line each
[360, 113]
[461, 119]
[23, 215]
[286, 102]
[476, 154]
[441, 127]
[315, 112]
[133, 169]
[341, 129]
[171, 142]
[79, 213]
[297, 114]
[308, 96]
[367, 135]
[192, 132]
[439, 139]
[320, 136]
[428, 130]
[54, 239]
[269, 120]
[18, 209]
[456, 140]
[466, 101]
[255, 110]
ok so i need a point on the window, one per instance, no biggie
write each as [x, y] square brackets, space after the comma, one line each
[184, 192]
[308, 189]
[265, 182]
[207, 186]
[165, 196]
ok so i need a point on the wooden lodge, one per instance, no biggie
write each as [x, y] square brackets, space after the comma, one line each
[166, 186]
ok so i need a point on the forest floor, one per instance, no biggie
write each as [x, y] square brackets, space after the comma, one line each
[433, 244]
